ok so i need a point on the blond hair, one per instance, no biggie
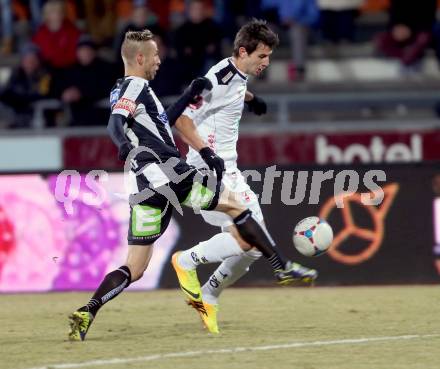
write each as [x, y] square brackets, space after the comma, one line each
[132, 41]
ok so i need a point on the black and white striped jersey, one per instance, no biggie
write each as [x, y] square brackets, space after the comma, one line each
[146, 121]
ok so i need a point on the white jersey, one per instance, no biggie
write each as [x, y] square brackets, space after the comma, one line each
[218, 118]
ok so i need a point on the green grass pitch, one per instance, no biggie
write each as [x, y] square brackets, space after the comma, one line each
[298, 328]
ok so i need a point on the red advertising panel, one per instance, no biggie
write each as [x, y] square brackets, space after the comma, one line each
[282, 148]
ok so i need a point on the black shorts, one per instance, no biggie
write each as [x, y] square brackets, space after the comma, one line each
[151, 208]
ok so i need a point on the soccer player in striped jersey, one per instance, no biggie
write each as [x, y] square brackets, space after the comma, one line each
[160, 179]
[217, 123]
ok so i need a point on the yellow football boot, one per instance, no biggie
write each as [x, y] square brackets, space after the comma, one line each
[80, 322]
[188, 280]
[208, 314]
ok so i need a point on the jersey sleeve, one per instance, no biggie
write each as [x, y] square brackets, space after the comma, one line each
[212, 100]
[124, 100]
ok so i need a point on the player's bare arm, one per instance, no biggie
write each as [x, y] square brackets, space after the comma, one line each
[188, 131]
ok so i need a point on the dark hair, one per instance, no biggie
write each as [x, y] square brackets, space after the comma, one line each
[252, 33]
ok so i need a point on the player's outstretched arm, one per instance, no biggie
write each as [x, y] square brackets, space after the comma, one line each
[115, 128]
[189, 95]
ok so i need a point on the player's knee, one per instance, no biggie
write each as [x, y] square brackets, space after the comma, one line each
[253, 254]
[242, 243]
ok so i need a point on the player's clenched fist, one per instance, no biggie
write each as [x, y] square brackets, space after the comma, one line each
[257, 105]
[213, 161]
[199, 84]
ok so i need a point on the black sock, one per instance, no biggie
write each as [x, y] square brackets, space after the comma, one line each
[112, 285]
[254, 234]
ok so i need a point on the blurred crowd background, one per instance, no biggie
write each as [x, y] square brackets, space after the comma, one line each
[59, 59]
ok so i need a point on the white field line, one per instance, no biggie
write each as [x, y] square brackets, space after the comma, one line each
[350, 341]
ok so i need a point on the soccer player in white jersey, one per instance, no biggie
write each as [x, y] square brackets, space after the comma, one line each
[141, 129]
[216, 122]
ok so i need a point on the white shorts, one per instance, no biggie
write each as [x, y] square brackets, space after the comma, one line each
[235, 183]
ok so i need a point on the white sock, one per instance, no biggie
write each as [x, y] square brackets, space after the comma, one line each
[214, 250]
[228, 272]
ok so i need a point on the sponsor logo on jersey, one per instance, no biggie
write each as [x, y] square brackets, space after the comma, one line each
[126, 104]
[226, 78]
[225, 75]
[114, 95]
[163, 117]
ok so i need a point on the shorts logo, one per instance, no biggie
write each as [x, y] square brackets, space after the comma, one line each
[145, 221]
[199, 198]
[163, 117]
[126, 104]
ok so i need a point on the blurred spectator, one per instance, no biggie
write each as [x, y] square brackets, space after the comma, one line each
[299, 16]
[7, 27]
[57, 36]
[410, 30]
[232, 14]
[100, 18]
[28, 83]
[198, 41]
[338, 19]
[436, 35]
[142, 17]
[176, 14]
[8, 8]
[35, 10]
[85, 84]
[168, 80]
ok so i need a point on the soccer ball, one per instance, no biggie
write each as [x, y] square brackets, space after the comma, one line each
[312, 236]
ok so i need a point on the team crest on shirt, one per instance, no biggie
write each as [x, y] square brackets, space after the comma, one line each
[163, 117]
